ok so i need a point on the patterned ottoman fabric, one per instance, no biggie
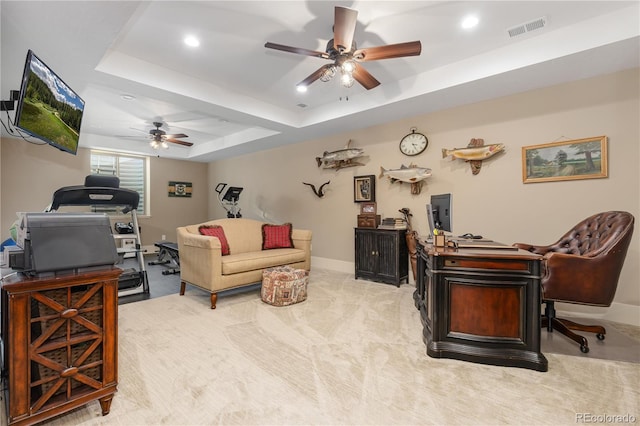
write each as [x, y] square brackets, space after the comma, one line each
[284, 285]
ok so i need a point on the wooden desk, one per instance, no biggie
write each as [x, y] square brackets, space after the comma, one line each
[60, 337]
[480, 305]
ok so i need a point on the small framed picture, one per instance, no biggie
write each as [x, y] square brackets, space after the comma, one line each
[368, 208]
[364, 189]
[180, 189]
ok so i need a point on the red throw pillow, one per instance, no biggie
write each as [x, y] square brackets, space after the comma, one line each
[216, 231]
[276, 236]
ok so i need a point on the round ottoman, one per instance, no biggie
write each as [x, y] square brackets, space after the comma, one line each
[284, 285]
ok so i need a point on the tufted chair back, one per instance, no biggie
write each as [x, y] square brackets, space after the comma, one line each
[584, 265]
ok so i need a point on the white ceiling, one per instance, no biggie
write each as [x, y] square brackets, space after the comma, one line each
[231, 95]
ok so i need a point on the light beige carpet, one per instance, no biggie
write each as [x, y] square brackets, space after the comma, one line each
[351, 354]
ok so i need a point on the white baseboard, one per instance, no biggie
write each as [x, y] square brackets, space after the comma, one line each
[617, 312]
[333, 264]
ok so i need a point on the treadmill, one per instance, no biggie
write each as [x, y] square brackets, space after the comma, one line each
[100, 190]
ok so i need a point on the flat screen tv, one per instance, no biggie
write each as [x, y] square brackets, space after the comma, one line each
[47, 108]
[441, 207]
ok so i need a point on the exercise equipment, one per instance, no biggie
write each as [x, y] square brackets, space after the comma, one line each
[167, 256]
[99, 190]
[230, 199]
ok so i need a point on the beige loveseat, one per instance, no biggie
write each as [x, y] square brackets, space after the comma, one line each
[203, 265]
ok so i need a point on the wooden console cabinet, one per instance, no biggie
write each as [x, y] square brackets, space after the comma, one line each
[382, 255]
[480, 305]
[60, 343]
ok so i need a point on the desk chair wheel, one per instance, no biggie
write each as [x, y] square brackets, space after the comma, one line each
[600, 336]
[584, 349]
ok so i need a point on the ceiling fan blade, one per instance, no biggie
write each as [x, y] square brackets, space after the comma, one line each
[410, 48]
[313, 77]
[344, 27]
[365, 78]
[298, 50]
[179, 142]
[177, 135]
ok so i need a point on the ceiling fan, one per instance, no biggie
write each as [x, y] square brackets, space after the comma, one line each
[159, 137]
[342, 50]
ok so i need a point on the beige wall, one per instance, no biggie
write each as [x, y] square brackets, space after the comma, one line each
[31, 173]
[494, 203]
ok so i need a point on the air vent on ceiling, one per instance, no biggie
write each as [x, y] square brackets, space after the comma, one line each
[302, 105]
[536, 24]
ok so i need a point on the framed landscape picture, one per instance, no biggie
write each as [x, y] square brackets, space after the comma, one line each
[566, 160]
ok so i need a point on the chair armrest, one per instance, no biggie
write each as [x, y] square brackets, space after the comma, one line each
[564, 267]
[542, 250]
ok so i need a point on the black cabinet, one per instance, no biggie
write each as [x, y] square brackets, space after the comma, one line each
[382, 255]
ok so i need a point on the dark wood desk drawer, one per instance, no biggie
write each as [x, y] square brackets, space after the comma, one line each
[477, 264]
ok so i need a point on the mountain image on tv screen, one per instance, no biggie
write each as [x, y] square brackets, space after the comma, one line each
[49, 109]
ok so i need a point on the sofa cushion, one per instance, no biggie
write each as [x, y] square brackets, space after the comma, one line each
[243, 262]
[276, 236]
[216, 231]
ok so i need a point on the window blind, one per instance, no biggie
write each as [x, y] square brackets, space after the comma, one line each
[130, 169]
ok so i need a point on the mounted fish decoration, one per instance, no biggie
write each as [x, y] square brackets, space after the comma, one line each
[341, 158]
[475, 152]
[320, 191]
[412, 174]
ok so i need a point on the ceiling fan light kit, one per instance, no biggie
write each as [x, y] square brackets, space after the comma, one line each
[342, 50]
[160, 138]
[158, 144]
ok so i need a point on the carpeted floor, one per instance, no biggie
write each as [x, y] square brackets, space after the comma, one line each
[351, 354]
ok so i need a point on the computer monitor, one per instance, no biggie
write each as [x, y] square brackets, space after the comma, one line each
[441, 208]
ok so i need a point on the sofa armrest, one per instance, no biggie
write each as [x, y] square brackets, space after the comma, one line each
[302, 240]
[300, 235]
[200, 241]
[200, 259]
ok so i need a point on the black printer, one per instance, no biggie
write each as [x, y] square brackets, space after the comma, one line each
[52, 242]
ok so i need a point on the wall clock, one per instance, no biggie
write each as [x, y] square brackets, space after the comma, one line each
[414, 143]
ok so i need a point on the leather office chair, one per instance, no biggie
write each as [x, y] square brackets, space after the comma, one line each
[583, 267]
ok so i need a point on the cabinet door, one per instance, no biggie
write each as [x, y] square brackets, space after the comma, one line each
[388, 255]
[366, 253]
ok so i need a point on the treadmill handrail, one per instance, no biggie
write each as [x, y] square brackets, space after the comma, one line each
[80, 195]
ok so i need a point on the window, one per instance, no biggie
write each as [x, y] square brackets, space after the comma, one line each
[132, 171]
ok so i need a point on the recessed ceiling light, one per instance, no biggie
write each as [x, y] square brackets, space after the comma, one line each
[470, 22]
[301, 88]
[191, 41]
[127, 97]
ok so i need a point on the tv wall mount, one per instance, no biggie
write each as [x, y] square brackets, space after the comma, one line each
[9, 105]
